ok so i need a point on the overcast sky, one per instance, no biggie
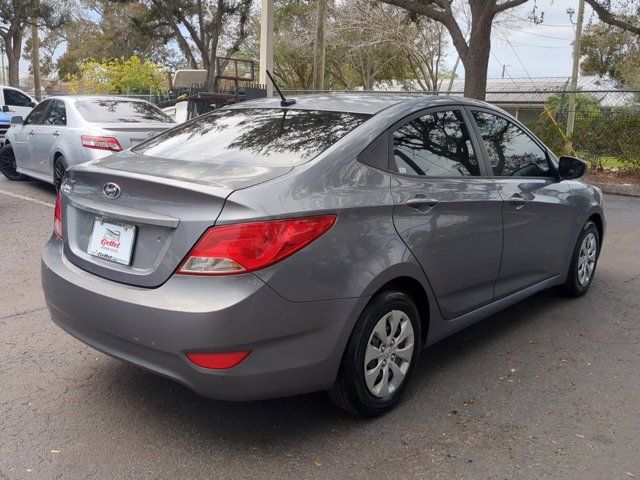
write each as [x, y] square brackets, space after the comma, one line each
[536, 50]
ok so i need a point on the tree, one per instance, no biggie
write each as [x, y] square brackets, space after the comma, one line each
[474, 52]
[104, 30]
[15, 15]
[616, 13]
[131, 76]
[200, 26]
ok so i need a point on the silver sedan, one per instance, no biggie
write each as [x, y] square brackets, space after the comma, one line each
[65, 131]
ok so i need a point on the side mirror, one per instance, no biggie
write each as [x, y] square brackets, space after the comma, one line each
[33, 104]
[5, 108]
[570, 168]
[17, 120]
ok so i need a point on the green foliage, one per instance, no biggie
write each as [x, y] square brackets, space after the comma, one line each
[132, 76]
[599, 134]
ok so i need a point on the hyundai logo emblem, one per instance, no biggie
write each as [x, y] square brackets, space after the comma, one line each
[111, 190]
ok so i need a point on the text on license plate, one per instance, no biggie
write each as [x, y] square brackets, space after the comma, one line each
[112, 240]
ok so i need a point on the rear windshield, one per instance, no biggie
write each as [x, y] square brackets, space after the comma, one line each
[269, 137]
[125, 111]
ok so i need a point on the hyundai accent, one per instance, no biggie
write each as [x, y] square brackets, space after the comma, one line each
[269, 249]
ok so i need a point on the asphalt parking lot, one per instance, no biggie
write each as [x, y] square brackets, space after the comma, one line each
[549, 388]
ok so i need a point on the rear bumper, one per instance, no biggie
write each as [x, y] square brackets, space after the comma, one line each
[296, 347]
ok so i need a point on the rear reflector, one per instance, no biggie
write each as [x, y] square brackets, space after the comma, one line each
[101, 143]
[246, 247]
[57, 217]
[218, 361]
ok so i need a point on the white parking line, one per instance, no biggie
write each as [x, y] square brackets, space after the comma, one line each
[22, 197]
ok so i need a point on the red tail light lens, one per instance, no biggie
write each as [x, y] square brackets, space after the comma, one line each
[218, 361]
[101, 143]
[247, 247]
[57, 217]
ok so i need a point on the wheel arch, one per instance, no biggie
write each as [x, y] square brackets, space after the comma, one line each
[418, 293]
[596, 218]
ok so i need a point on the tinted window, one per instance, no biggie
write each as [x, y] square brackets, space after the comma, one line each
[511, 151]
[116, 111]
[36, 116]
[271, 137]
[435, 145]
[16, 99]
[57, 114]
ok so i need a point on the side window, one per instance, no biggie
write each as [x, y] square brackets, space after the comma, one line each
[36, 117]
[14, 98]
[57, 114]
[511, 151]
[435, 145]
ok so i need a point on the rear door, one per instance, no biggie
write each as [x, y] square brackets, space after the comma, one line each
[447, 211]
[46, 135]
[536, 212]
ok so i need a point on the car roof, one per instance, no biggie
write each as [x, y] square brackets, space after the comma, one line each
[94, 97]
[354, 102]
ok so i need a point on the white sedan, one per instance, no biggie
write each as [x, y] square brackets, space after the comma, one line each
[64, 131]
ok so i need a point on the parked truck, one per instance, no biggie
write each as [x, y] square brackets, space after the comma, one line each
[13, 102]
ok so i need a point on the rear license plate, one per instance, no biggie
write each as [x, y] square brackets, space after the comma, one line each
[112, 240]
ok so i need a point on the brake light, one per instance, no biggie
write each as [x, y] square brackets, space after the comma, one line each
[57, 217]
[218, 361]
[247, 247]
[101, 143]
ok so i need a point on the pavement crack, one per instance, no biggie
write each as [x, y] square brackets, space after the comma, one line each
[22, 313]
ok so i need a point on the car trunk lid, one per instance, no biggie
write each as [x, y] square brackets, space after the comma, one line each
[131, 134]
[168, 209]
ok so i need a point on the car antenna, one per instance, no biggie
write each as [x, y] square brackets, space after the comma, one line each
[285, 102]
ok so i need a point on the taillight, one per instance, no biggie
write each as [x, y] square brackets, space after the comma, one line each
[101, 143]
[57, 217]
[218, 361]
[246, 247]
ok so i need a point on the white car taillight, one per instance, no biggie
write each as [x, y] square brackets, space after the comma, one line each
[101, 143]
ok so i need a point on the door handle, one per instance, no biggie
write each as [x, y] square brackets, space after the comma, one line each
[420, 202]
[518, 201]
[56, 133]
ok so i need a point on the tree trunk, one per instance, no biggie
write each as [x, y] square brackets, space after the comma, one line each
[476, 60]
[320, 46]
[13, 46]
[35, 60]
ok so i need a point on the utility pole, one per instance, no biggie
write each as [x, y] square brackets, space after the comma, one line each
[571, 114]
[266, 44]
[320, 46]
[35, 59]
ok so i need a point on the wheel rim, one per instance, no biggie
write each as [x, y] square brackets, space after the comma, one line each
[587, 259]
[58, 172]
[389, 353]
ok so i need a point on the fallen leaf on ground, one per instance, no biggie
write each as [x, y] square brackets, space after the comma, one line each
[56, 451]
[317, 463]
[579, 436]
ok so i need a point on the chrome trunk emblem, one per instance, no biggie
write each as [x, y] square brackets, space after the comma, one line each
[111, 190]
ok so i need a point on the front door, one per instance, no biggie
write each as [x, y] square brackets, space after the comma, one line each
[537, 215]
[19, 104]
[446, 210]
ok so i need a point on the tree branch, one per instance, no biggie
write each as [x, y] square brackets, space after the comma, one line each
[608, 17]
[501, 7]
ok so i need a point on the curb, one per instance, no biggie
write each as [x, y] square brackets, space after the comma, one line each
[626, 189]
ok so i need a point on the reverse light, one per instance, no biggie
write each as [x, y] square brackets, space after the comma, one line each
[101, 143]
[246, 247]
[218, 361]
[57, 217]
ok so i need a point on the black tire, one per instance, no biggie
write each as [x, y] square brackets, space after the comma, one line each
[574, 286]
[59, 168]
[8, 164]
[350, 391]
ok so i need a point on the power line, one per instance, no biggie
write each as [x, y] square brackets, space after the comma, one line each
[535, 34]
